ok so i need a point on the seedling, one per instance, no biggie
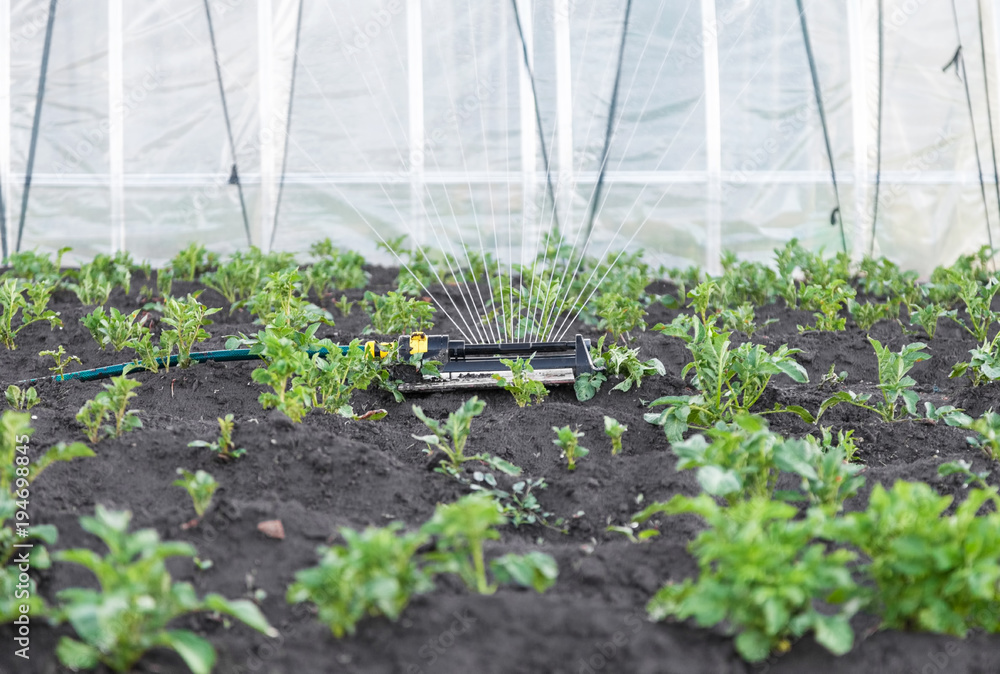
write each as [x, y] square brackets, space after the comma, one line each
[116, 397]
[394, 314]
[200, 486]
[21, 399]
[334, 269]
[618, 360]
[867, 314]
[452, 435]
[375, 572]
[731, 381]
[987, 438]
[96, 279]
[164, 282]
[114, 329]
[191, 262]
[568, 440]
[526, 391]
[828, 300]
[520, 504]
[285, 360]
[282, 295]
[17, 472]
[236, 280]
[620, 315]
[614, 430]
[761, 574]
[61, 360]
[187, 317]
[92, 416]
[344, 306]
[978, 299]
[832, 378]
[31, 265]
[12, 302]
[137, 601]
[112, 402]
[150, 356]
[461, 528]
[223, 446]
[893, 382]
[741, 319]
[927, 316]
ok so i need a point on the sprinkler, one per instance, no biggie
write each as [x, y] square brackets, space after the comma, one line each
[473, 365]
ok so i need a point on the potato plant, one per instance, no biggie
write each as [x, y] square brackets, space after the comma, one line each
[828, 300]
[932, 569]
[111, 403]
[224, 447]
[187, 318]
[138, 599]
[568, 440]
[730, 381]
[114, 328]
[200, 486]
[614, 429]
[191, 262]
[21, 399]
[62, 361]
[525, 389]
[894, 383]
[377, 571]
[396, 314]
[762, 575]
[452, 435]
[33, 310]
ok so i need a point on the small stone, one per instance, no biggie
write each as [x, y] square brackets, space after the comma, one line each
[272, 529]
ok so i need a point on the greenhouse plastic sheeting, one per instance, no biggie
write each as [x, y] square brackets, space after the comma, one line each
[365, 120]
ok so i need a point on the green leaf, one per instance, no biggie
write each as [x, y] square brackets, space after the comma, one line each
[45, 532]
[76, 655]
[535, 570]
[718, 482]
[834, 633]
[243, 610]
[754, 646]
[795, 371]
[802, 412]
[503, 466]
[196, 652]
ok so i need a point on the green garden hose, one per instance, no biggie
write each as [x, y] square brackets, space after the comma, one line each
[222, 355]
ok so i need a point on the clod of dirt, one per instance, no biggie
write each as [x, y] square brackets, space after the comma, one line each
[272, 529]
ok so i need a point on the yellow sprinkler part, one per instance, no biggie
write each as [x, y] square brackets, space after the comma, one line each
[376, 349]
[418, 343]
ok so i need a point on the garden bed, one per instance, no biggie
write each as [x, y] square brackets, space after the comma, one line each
[329, 472]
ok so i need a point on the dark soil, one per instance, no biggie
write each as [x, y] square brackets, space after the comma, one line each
[327, 473]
